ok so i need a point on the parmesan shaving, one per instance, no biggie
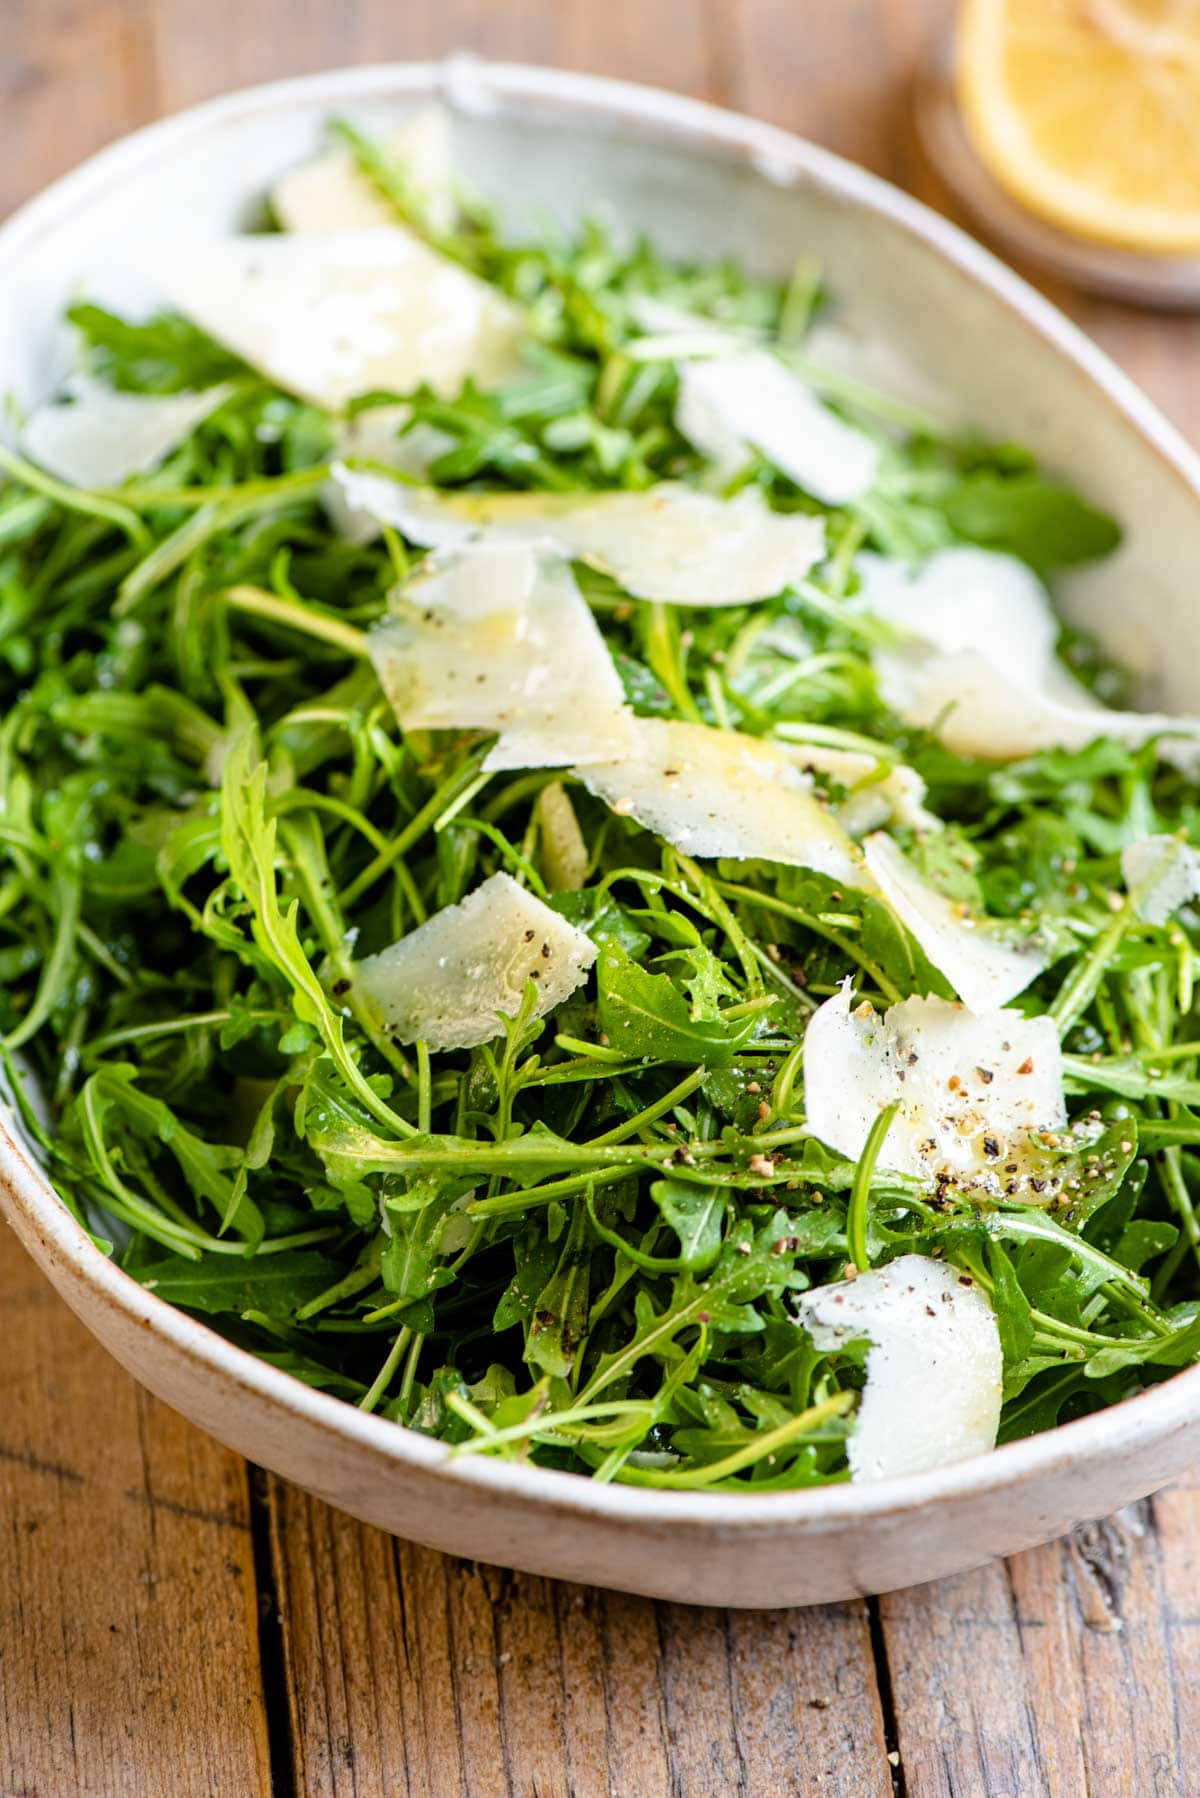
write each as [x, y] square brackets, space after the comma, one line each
[974, 1089]
[878, 793]
[934, 1371]
[1161, 874]
[733, 399]
[330, 316]
[966, 599]
[331, 193]
[499, 637]
[99, 436]
[750, 400]
[977, 712]
[984, 967]
[721, 793]
[981, 666]
[668, 543]
[449, 981]
[379, 435]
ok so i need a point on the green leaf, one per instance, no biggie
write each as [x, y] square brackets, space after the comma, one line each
[275, 1285]
[697, 1216]
[413, 1264]
[598, 913]
[1014, 1317]
[1143, 1240]
[1045, 524]
[1178, 1349]
[162, 355]
[645, 1014]
[534, 1260]
[557, 1324]
[643, 690]
[874, 941]
[114, 1099]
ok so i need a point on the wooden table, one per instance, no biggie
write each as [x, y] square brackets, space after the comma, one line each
[173, 1622]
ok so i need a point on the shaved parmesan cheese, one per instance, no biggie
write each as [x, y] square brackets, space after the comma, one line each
[732, 399]
[973, 1087]
[749, 399]
[333, 315]
[98, 436]
[934, 1372]
[447, 982]
[331, 193]
[967, 599]
[379, 435]
[1161, 874]
[667, 543]
[981, 668]
[976, 711]
[874, 798]
[984, 967]
[719, 792]
[499, 637]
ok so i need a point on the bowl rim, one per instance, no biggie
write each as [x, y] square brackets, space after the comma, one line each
[466, 83]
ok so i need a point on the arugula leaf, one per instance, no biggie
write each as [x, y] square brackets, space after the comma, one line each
[1026, 515]
[697, 1215]
[165, 354]
[276, 1286]
[645, 1014]
[603, 918]
[1014, 1314]
[557, 1324]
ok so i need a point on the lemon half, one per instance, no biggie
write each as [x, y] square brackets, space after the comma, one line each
[1088, 113]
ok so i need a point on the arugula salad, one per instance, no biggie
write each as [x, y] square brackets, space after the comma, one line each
[562, 880]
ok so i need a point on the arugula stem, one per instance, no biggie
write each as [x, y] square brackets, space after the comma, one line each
[66, 899]
[860, 1192]
[763, 1447]
[146, 497]
[546, 1424]
[422, 821]
[650, 1113]
[819, 927]
[1080, 987]
[75, 499]
[667, 658]
[511, 1204]
[200, 1020]
[359, 1279]
[260, 604]
[383, 1378]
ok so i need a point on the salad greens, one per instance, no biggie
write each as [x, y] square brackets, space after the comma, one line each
[581, 1242]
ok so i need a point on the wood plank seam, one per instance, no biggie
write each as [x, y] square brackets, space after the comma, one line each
[272, 1657]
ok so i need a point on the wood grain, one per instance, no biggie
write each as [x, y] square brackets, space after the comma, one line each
[1071, 1668]
[131, 1594]
[839, 74]
[73, 75]
[411, 1673]
[128, 1601]
[200, 51]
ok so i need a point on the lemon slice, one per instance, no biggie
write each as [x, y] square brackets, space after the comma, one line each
[1088, 113]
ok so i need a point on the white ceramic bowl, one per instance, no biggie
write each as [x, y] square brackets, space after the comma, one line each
[967, 333]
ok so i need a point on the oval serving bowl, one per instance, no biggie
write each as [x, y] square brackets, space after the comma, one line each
[955, 328]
